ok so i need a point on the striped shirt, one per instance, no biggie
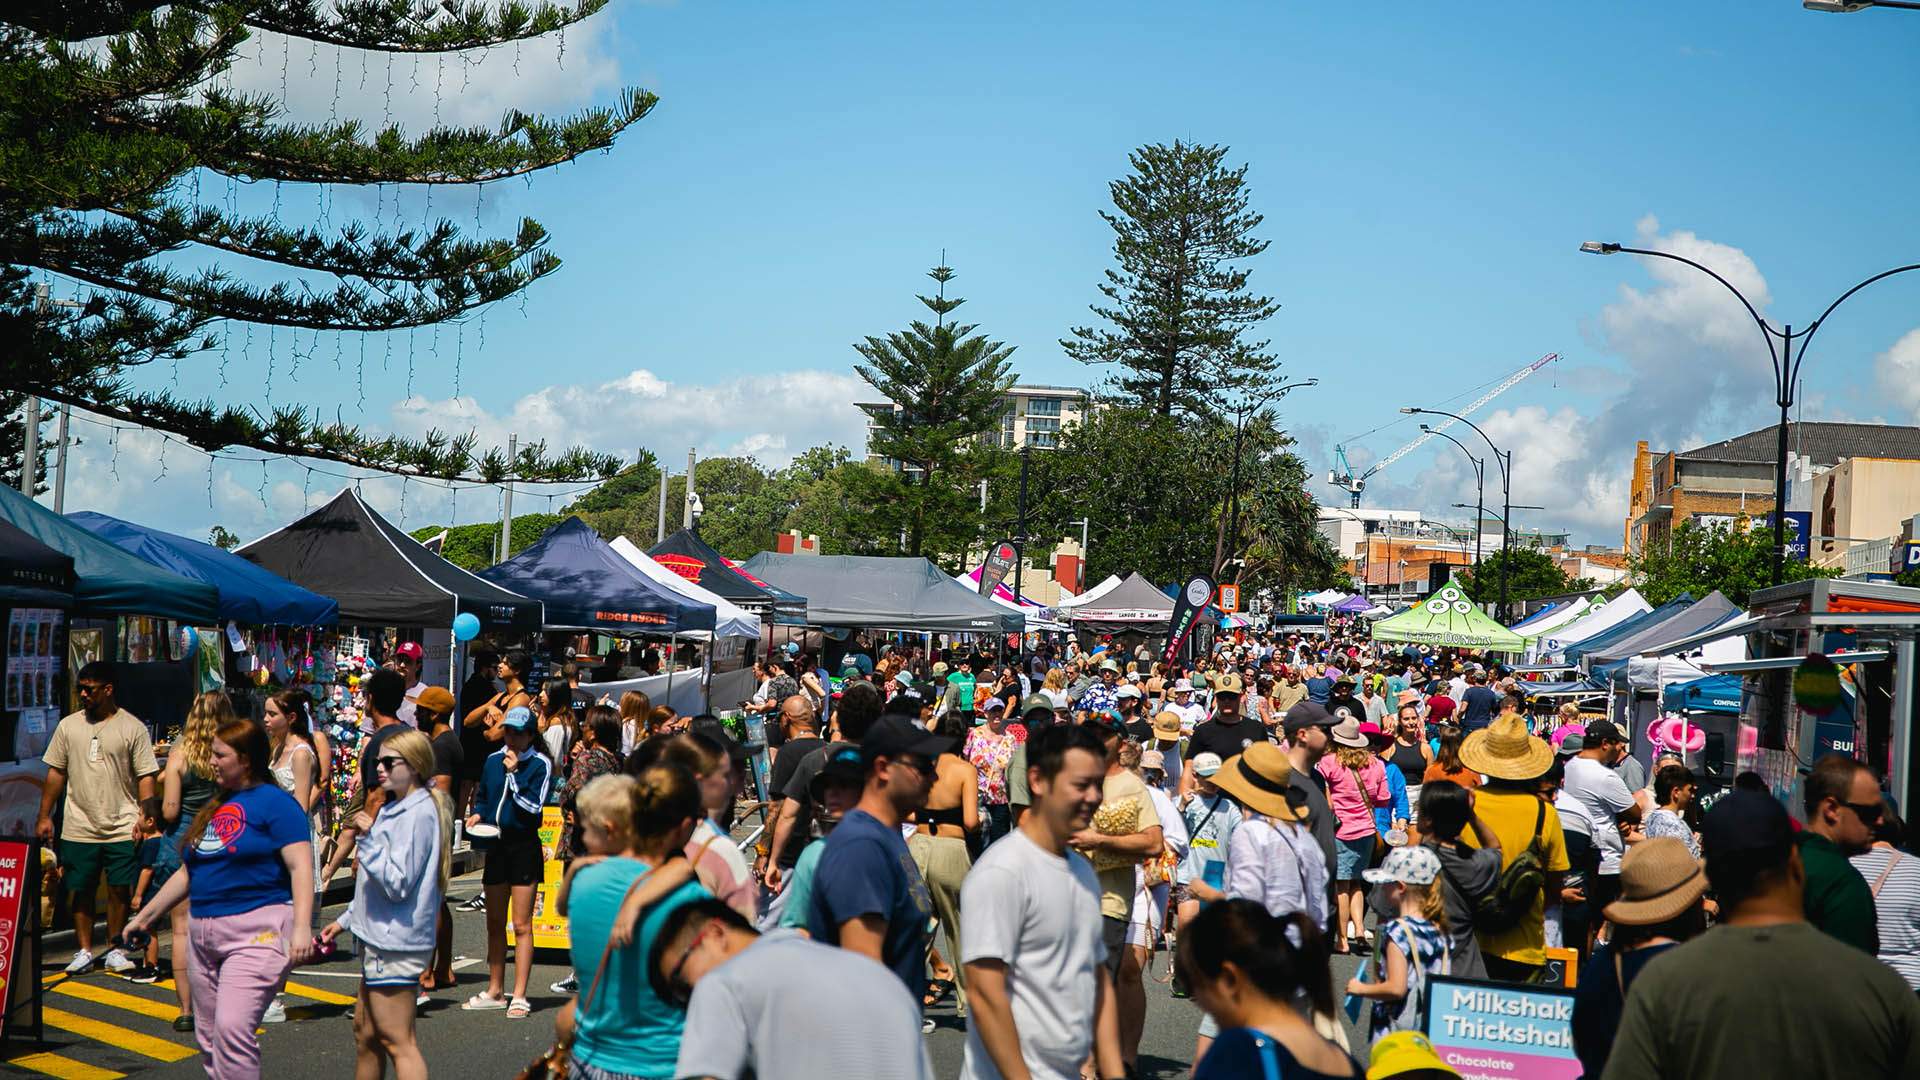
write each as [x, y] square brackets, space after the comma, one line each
[1897, 904]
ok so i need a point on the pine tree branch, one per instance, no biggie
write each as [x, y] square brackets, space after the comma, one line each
[407, 26]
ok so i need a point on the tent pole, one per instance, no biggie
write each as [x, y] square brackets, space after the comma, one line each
[706, 690]
[673, 646]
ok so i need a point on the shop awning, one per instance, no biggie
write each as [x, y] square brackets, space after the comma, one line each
[1714, 694]
[248, 594]
[109, 581]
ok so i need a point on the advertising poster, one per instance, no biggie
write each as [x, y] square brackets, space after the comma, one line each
[1497, 1031]
[13, 891]
[549, 927]
[32, 667]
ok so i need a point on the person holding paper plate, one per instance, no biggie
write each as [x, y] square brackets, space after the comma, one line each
[505, 821]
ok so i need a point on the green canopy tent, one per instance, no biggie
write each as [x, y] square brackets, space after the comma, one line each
[1449, 618]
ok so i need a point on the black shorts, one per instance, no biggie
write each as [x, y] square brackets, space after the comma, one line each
[514, 859]
[1113, 934]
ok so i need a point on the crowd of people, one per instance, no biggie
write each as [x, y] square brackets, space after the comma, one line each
[1022, 836]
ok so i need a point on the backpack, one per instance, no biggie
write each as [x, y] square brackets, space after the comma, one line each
[1514, 891]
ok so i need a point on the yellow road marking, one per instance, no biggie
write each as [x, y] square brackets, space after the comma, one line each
[63, 1067]
[112, 1035]
[100, 995]
[314, 993]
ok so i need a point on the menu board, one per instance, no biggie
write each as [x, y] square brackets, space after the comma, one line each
[33, 652]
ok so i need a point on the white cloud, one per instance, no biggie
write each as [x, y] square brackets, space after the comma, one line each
[1897, 374]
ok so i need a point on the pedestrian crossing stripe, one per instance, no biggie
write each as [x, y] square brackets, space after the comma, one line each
[100, 995]
[47, 1064]
[314, 993]
[115, 1036]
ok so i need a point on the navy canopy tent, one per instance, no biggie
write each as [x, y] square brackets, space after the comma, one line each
[248, 594]
[110, 581]
[381, 576]
[587, 585]
[692, 558]
[31, 573]
[1715, 694]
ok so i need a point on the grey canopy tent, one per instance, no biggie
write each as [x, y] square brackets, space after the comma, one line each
[1709, 612]
[871, 592]
[1134, 604]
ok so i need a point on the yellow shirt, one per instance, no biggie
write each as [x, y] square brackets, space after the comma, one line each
[1511, 816]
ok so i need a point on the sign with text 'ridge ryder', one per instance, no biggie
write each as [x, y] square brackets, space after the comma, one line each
[1500, 1031]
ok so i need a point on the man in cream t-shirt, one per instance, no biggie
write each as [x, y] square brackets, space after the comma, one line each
[1038, 983]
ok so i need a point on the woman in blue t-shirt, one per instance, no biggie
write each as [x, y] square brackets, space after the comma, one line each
[622, 1026]
[1251, 970]
[249, 879]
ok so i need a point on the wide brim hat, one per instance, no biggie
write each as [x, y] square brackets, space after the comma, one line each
[1504, 751]
[1659, 879]
[1407, 697]
[1260, 779]
[1347, 733]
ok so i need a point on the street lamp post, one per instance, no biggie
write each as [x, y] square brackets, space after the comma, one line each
[1503, 458]
[1479, 485]
[1786, 369]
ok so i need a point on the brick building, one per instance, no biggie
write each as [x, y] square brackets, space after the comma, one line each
[1718, 483]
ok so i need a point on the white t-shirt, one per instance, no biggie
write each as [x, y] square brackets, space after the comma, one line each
[406, 710]
[1040, 914]
[1192, 715]
[754, 1012]
[1603, 795]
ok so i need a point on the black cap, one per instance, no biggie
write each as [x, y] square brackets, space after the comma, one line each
[1743, 821]
[844, 767]
[1306, 714]
[1599, 731]
[894, 734]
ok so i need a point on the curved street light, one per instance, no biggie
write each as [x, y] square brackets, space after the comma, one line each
[1505, 460]
[1786, 369]
[1480, 487]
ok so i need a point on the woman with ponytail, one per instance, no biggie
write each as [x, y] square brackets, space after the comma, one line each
[623, 1028]
[296, 765]
[185, 787]
[1259, 976]
[249, 875]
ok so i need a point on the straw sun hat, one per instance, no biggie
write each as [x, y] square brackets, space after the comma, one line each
[1504, 751]
[1260, 779]
[1659, 879]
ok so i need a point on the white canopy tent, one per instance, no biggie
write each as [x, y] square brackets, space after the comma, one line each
[1036, 614]
[1611, 614]
[1549, 621]
[1095, 593]
[729, 618]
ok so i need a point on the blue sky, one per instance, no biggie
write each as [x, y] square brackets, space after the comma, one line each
[1426, 173]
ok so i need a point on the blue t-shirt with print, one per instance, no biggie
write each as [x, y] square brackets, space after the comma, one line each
[236, 865]
[865, 869]
[628, 1030]
[1210, 822]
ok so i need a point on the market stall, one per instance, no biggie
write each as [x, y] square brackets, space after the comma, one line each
[1092, 595]
[692, 558]
[1549, 645]
[1449, 618]
[247, 594]
[873, 592]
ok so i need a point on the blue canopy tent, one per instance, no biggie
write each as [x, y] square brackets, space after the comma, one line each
[1714, 694]
[110, 581]
[248, 593]
[586, 585]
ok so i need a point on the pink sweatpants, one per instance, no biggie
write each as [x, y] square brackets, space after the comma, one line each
[239, 964]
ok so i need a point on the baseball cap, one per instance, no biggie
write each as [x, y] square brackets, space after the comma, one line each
[1403, 1053]
[1229, 684]
[1744, 821]
[1127, 692]
[1036, 703]
[1411, 864]
[1599, 731]
[1306, 714]
[993, 704]
[894, 734]
[437, 700]
[1572, 744]
[409, 649]
[519, 718]
[1206, 763]
[1108, 721]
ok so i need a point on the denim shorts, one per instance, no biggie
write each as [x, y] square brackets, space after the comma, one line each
[1352, 856]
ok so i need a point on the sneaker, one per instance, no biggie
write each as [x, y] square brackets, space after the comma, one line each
[421, 1000]
[926, 1026]
[478, 903]
[276, 1013]
[118, 962]
[144, 974]
[81, 963]
[568, 985]
[183, 1023]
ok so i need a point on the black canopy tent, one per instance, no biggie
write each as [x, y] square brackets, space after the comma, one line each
[32, 574]
[383, 577]
[692, 558]
[877, 593]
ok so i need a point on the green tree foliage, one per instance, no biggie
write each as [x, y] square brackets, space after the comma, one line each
[223, 538]
[112, 110]
[1530, 573]
[623, 487]
[1155, 487]
[1699, 559]
[946, 385]
[1178, 308]
[472, 547]
[13, 443]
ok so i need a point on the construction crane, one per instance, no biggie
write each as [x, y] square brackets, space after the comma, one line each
[1343, 477]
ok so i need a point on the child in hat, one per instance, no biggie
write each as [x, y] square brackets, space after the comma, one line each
[1416, 940]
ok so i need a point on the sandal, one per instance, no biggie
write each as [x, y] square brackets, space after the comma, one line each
[520, 1009]
[937, 991]
[484, 1002]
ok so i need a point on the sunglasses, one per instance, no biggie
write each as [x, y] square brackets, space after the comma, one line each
[389, 762]
[678, 992]
[922, 765]
[87, 689]
[1868, 813]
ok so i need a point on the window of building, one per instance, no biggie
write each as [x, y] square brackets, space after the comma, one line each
[1043, 407]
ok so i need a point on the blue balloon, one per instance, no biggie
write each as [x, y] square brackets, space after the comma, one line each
[466, 626]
